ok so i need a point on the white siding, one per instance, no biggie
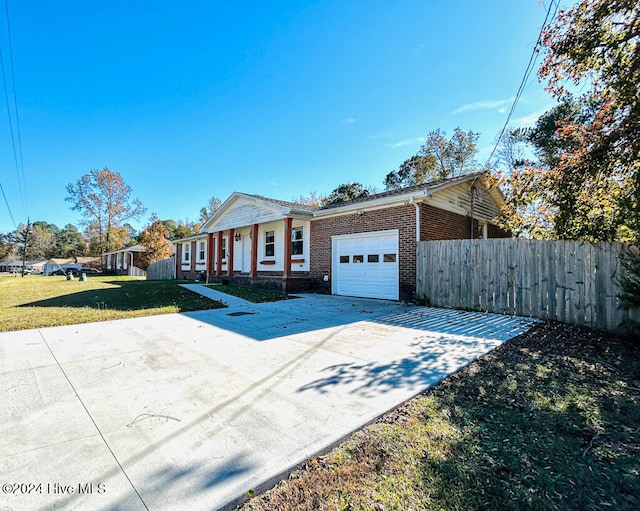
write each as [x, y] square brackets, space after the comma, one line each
[458, 200]
[244, 213]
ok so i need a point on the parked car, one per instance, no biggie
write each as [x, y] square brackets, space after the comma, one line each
[66, 271]
[90, 271]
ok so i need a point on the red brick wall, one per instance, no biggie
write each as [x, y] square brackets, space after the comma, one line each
[438, 224]
[435, 224]
[399, 217]
[496, 232]
[189, 274]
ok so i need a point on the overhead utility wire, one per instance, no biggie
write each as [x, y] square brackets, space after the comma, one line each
[534, 55]
[8, 207]
[13, 142]
[15, 106]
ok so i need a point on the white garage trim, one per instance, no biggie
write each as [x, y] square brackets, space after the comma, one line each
[366, 264]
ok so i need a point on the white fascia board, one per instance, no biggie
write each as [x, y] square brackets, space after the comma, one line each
[190, 238]
[382, 202]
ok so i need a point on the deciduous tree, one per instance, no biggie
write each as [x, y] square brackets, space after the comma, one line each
[105, 201]
[209, 209]
[438, 158]
[313, 199]
[346, 192]
[155, 239]
[595, 45]
[7, 246]
[547, 197]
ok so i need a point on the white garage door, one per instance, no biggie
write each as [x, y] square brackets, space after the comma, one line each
[366, 265]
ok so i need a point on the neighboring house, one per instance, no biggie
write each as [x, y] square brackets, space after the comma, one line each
[55, 264]
[15, 266]
[191, 257]
[124, 261]
[74, 262]
[365, 247]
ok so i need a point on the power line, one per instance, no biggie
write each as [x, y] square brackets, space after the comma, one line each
[15, 105]
[527, 73]
[21, 180]
[8, 207]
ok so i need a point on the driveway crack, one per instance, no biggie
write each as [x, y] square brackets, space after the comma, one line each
[104, 440]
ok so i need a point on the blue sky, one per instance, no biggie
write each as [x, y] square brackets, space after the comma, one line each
[281, 98]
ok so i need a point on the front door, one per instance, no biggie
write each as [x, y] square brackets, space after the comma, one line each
[246, 252]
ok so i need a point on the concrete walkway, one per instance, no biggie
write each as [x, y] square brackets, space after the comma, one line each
[191, 411]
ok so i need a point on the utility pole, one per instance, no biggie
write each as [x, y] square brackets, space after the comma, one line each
[24, 254]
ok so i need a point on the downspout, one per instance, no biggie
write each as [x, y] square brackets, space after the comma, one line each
[412, 201]
[472, 202]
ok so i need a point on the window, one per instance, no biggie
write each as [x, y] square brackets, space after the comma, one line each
[344, 259]
[358, 259]
[373, 258]
[224, 248]
[119, 260]
[389, 258]
[186, 252]
[269, 244]
[201, 250]
[296, 241]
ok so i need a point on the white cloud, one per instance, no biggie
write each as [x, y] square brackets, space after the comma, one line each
[502, 110]
[527, 120]
[348, 120]
[408, 141]
[384, 134]
[482, 105]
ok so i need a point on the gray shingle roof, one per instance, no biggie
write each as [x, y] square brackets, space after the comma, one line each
[286, 204]
[402, 191]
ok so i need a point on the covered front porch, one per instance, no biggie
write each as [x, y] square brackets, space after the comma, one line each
[252, 240]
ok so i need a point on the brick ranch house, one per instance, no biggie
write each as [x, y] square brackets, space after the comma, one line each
[123, 261]
[365, 247]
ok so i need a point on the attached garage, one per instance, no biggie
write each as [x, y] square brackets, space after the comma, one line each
[366, 265]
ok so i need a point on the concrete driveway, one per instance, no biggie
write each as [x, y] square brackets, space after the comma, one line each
[191, 411]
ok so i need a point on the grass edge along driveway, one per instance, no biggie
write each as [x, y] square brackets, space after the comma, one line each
[38, 301]
[547, 421]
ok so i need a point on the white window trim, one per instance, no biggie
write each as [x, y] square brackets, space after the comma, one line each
[264, 245]
[297, 228]
[201, 251]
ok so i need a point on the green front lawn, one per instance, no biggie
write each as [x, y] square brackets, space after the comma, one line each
[36, 301]
[251, 294]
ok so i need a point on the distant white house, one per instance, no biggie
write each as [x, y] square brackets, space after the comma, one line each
[63, 264]
[15, 266]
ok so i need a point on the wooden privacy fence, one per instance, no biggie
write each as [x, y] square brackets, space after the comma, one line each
[568, 281]
[134, 271]
[162, 270]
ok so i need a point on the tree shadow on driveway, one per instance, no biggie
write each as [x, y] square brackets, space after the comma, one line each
[451, 340]
[433, 358]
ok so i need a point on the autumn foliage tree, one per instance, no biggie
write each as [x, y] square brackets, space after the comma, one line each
[587, 184]
[155, 240]
[105, 202]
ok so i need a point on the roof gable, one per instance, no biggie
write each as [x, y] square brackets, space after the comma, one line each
[242, 209]
[421, 189]
[451, 194]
